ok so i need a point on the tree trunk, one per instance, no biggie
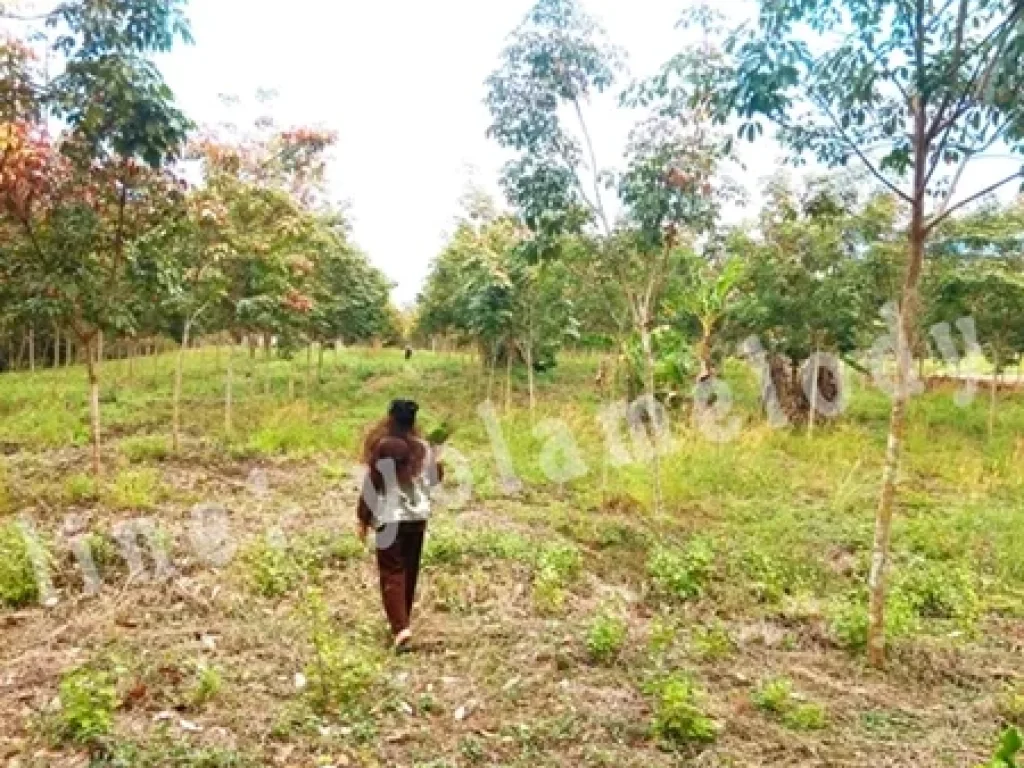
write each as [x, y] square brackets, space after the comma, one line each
[92, 370]
[308, 379]
[320, 363]
[266, 346]
[133, 348]
[814, 396]
[176, 401]
[906, 325]
[508, 380]
[32, 349]
[56, 346]
[99, 349]
[229, 387]
[993, 392]
[645, 339]
[530, 379]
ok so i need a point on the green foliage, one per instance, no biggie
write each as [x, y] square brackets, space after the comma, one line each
[774, 696]
[341, 674]
[679, 715]
[207, 685]
[133, 490]
[18, 584]
[1010, 747]
[145, 449]
[5, 493]
[848, 619]
[606, 637]
[711, 642]
[270, 568]
[939, 591]
[80, 488]
[681, 573]
[88, 698]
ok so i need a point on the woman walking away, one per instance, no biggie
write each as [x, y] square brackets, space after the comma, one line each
[395, 503]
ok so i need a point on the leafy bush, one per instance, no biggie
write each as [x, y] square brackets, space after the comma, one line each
[682, 573]
[5, 493]
[207, 684]
[561, 560]
[806, 717]
[548, 593]
[341, 674]
[940, 591]
[134, 490]
[80, 488]
[270, 569]
[774, 696]
[848, 619]
[18, 584]
[1006, 755]
[88, 698]
[711, 643]
[679, 717]
[606, 638]
[148, 448]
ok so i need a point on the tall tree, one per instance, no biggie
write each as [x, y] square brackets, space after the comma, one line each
[914, 90]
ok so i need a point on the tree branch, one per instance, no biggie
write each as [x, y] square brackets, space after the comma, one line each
[947, 210]
[863, 158]
[593, 166]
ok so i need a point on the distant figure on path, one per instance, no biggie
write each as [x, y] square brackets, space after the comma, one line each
[395, 504]
[408, 353]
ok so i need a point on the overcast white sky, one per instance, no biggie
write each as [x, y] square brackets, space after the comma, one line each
[402, 82]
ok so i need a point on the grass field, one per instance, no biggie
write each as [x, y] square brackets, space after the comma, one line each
[562, 625]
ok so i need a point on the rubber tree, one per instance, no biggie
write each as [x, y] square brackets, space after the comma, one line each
[911, 90]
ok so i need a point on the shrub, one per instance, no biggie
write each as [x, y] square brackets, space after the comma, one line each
[679, 717]
[270, 569]
[341, 674]
[18, 584]
[88, 698]
[207, 684]
[134, 490]
[681, 573]
[606, 638]
[848, 619]
[548, 593]
[80, 488]
[562, 561]
[711, 643]
[148, 448]
[5, 493]
[1006, 755]
[806, 717]
[774, 696]
[939, 591]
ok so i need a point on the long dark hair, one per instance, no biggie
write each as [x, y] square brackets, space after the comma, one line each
[397, 437]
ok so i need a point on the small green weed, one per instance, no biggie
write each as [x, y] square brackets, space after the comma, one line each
[679, 716]
[775, 697]
[1009, 750]
[848, 619]
[606, 638]
[341, 674]
[18, 583]
[88, 698]
[133, 490]
[711, 642]
[145, 449]
[80, 488]
[270, 569]
[207, 685]
[681, 573]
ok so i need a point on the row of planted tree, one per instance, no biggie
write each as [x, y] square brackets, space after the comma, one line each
[121, 222]
[897, 97]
